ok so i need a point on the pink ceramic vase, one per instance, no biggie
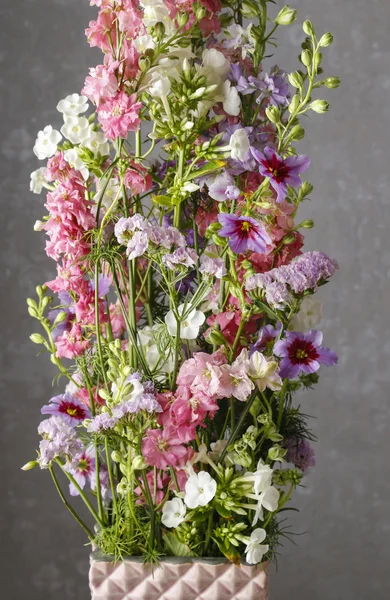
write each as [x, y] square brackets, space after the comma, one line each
[177, 579]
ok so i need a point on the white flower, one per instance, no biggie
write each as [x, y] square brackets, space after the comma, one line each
[72, 157]
[155, 11]
[269, 499]
[73, 105]
[200, 489]
[143, 43]
[47, 142]
[39, 225]
[38, 180]
[153, 357]
[160, 88]
[97, 143]
[309, 315]
[76, 129]
[264, 372]
[190, 187]
[189, 327]
[173, 513]
[255, 550]
[262, 477]
[135, 392]
[239, 144]
[215, 66]
[110, 191]
[231, 99]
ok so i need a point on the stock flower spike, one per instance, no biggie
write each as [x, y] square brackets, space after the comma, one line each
[181, 314]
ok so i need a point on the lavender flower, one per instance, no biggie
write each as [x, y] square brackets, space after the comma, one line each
[215, 267]
[302, 352]
[244, 233]
[281, 172]
[146, 402]
[101, 423]
[300, 453]
[273, 86]
[59, 440]
[82, 467]
[304, 273]
[68, 407]
[186, 257]
[266, 338]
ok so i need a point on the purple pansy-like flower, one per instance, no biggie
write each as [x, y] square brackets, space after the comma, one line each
[302, 352]
[281, 171]
[244, 233]
[273, 86]
[68, 407]
[82, 467]
[267, 336]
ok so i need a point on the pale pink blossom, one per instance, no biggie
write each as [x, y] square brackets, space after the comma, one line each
[163, 448]
[101, 83]
[71, 343]
[119, 115]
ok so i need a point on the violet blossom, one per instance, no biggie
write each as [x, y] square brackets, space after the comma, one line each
[302, 352]
[59, 440]
[281, 171]
[82, 468]
[300, 453]
[68, 407]
[244, 233]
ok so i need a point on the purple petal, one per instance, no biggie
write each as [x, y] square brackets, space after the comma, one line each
[327, 357]
[314, 336]
[298, 164]
[288, 370]
[281, 348]
[311, 367]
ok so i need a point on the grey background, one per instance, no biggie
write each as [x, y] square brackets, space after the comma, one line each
[345, 505]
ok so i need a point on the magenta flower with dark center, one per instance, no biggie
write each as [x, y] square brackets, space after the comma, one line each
[282, 172]
[68, 407]
[302, 352]
[244, 233]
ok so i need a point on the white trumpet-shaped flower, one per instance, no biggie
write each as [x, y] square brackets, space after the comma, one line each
[255, 550]
[200, 489]
[239, 144]
[190, 324]
[38, 180]
[73, 105]
[173, 513]
[76, 129]
[47, 142]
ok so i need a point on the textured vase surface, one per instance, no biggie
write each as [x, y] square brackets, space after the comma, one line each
[176, 579]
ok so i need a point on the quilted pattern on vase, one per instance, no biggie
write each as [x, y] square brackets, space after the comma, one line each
[184, 580]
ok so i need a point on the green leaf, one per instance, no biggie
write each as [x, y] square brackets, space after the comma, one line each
[162, 200]
[210, 167]
[230, 552]
[221, 510]
[173, 546]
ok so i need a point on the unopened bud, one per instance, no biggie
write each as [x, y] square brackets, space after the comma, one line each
[276, 453]
[30, 465]
[138, 463]
[37, 338]
[297, 133]
[249, 9]
[218, 240]
[215, 338]
[317, 60]
[326, 40]
[286, 16]
[332, 82]
[116, 457]
[306, 57]
[200, 11]
[294, 104]
[320, 106]
[38, 225]
[308, 224]
[296, 79]
[288, 239]
[308, 28]
[59, 318]
[273, 114]
[159, 30]
[306, 188]
[182, 19]
[144, 63]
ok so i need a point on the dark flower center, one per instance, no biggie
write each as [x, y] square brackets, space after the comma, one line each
[246, 226]
[277, 168]
[302, 352]
[71, 409]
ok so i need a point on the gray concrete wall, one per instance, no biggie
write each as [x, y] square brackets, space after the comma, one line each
[345, 503]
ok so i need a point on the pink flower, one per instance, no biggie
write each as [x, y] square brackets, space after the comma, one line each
[70, 277]
[101, 83]
[231, 380]
[195, 372]
[71, 343]
[97, 32]
[137, 179]
[117, 319]
[163, 448]
[156, 487]
[119, 115]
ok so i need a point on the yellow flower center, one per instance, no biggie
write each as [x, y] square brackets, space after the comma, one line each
[245, 226]
[301, 353]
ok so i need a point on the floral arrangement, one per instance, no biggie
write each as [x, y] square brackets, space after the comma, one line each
[182, 319]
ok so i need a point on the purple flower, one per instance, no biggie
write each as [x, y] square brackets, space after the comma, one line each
[146, 402]
[186, 257]
[267, 335]
[302, 352]
[103, 285]
[244, 233]
[300, 453]
[282, 172]
[273, 86]
[238, 80]
[82, 467]
[215, 267]
[59, 440]
[102, 422]
[68, 407]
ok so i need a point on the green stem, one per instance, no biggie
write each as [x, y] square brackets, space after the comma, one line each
[152, 511]
[281, 403]
[68, 506]
[111, 478]
[234, 434]
[82, 495]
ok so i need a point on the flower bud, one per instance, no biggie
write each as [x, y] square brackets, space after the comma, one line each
[38, 225]
[293, 106]
[199, 11]
[59, 318]
[276, 453]
[159, 30]
[273, 114]
[121, 488]
[249, 9]
[215, 338]
[297, 133]
[308, 28]
[332, 82]
[296, 79]
[286, 16]
[138, 463]
[104, 394]
[182, 19]
[116, 457]
[308, 224]
[320, 106]
[306, 188]
[288, 239]
[144, 63]
[30, 465]
[37, 338]
[326, 40]
[317, 60]
[306, 57]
